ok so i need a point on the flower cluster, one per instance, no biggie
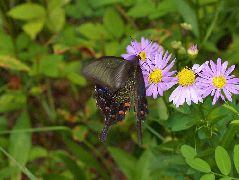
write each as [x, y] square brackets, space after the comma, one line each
[193, 84]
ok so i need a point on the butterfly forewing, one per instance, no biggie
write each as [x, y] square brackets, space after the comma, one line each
[110, 72]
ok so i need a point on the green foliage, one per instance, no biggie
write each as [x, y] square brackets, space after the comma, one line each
[113, 23]
[223, 160]
[236, 157]
[49, 122]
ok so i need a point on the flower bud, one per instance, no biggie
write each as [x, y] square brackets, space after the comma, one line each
[192, 51]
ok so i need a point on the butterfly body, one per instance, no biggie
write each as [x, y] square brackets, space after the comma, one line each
[119, 87]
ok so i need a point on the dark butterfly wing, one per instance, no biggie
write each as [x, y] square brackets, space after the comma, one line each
[113, 110]
[110, 72]
[140, 101]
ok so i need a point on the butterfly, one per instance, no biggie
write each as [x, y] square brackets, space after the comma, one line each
[119, 86]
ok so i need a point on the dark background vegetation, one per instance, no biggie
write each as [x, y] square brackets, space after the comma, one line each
[49, 123]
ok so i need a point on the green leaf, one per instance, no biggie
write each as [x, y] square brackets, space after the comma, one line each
[12, 101]
[32, 28]
[188, 152]
[199, 164]
[204, 2]
[188, 15]
[113, 23]
[231, 108]
[21, 167]
[111, 48]
[76, 79]
[208, 177]
[9, 62]
[27, 11]
[236, 157]
[6, 172]
[143, 164]
[92, 31]
[23, 41]
[20, 144]
[142, 10]
[223, 160]
[164, 7]
[55, 19]
[124, 160]
[97, 3]
[6, 48]
[235, 122]
[225, 178]
[79, 133]
[56, 3]
[162, 109]
[50, 65]
[178, 121]
[37, 152]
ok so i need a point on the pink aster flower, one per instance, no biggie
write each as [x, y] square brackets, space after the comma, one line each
[145, 49]
[217, 81]
[157, 74]
[187, 90]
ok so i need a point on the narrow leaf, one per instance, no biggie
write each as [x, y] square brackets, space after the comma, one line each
[223, 160]
[20, 144]
[189, 15]
[21, 167]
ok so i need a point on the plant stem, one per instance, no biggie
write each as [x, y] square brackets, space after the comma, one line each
[154, 132]
[42, 129]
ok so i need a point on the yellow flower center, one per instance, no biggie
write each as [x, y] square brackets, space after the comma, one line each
[155, 76]
[142, 55]
[219, 81]
[186, 77]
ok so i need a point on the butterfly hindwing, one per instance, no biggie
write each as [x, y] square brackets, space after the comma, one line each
[111, 72]
[113, 110]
